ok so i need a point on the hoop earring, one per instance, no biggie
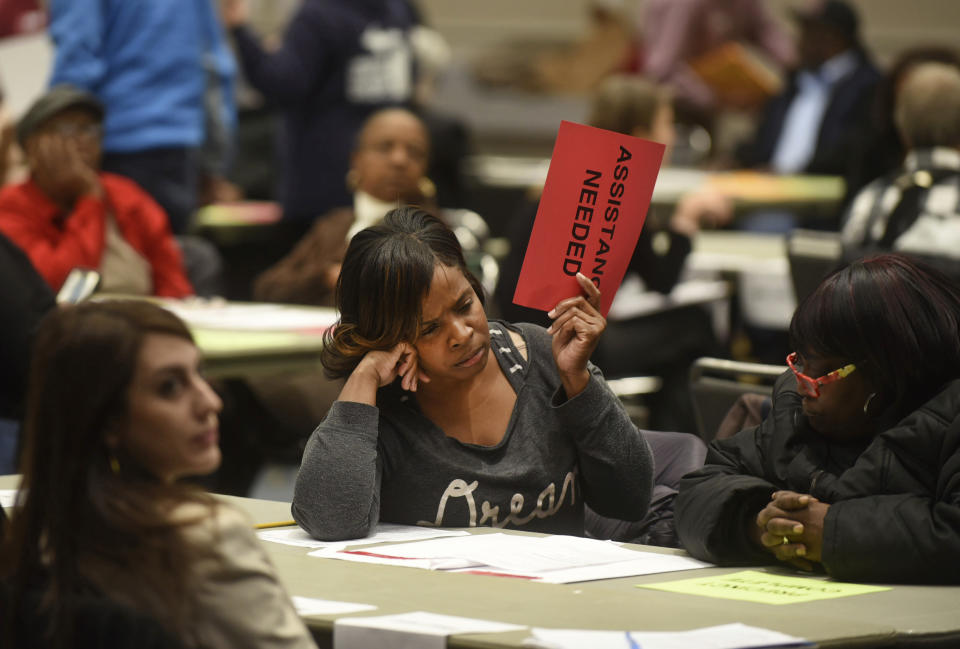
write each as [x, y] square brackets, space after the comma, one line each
[866, 404]
[114, 464]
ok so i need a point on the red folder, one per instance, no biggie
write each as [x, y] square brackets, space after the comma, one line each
[591, 212]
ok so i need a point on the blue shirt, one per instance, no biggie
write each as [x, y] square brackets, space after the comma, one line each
[801, 127]
[148, 62]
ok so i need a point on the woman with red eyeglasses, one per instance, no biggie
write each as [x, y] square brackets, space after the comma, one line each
[856, 470]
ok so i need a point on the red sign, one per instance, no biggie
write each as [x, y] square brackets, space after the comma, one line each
[593, 207]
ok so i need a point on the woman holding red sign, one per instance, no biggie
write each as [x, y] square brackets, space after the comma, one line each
[448, 419]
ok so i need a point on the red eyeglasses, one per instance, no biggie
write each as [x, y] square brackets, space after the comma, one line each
[811, 386]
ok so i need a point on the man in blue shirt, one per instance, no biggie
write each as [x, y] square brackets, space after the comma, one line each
[806, 128]
[165, 76]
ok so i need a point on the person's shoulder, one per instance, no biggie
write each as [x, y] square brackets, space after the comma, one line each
[14, 194]
[943, 406]
[210, 522]
[117, 186]
[532, 334]
[329, 12]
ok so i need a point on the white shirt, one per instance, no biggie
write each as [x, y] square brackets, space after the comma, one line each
[801, 127]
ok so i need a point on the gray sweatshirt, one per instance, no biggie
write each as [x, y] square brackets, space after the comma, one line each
[364, 463]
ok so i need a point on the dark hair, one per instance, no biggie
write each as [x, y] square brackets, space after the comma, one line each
[72, 506]
[624, 103]
[385, 276]
[896, 318]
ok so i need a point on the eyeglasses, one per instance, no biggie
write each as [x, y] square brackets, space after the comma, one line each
[88, 131]
[811, 386]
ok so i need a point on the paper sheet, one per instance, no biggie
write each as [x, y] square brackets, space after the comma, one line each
[307, 606]
[8, 497]
[763, 588]
[385, 532]
[245, 316]
[554, 559]
[416, 630]
[726, 636]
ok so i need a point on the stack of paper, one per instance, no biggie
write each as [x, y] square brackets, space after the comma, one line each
[415, 630]
[552, 559]
[383, 533]
[726, 636]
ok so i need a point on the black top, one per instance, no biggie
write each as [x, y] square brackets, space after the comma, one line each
[24, 298]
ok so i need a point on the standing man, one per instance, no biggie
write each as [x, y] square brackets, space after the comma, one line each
[165, 77]
[339, 62]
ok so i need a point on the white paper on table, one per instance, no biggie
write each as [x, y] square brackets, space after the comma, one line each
[218, 314]
[312, 606]
[384, 532]
[416, 630]
[648, 563]
[725, 636]
[8, 497]
[373, 555]
[555, 559]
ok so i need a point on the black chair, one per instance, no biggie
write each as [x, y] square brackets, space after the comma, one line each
[716, 384]
[813, 254]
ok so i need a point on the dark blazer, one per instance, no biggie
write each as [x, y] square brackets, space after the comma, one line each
[847, 111]
[894, 499]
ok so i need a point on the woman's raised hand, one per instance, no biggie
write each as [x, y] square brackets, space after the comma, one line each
[576, 328]
[379, 368]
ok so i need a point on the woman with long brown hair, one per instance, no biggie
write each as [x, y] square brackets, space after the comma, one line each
[117, 414]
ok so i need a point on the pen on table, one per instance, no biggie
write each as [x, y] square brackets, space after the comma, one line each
[263, 526]
[631, 643]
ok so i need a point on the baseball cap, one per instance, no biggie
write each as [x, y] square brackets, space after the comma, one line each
[56, 100]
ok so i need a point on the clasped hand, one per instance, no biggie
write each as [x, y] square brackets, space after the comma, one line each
[792, 528]
[576, 329]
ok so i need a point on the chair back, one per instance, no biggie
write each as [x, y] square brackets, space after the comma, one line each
[813, 254]
[716, 384]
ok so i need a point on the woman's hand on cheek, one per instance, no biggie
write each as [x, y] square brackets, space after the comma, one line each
[576, 329]
[410, 371]
[379, 368]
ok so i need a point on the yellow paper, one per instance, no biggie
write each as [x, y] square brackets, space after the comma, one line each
[763, 588]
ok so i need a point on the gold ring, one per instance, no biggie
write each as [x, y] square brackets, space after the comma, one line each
[785, 541]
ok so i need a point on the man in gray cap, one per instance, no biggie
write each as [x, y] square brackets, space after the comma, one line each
[69, 214]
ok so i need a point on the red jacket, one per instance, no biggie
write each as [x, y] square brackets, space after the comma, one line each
[56, 245]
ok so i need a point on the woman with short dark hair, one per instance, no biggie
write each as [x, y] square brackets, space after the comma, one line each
[117, 415]
[446, 419]
[856, 470]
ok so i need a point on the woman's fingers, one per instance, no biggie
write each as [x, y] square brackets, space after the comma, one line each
[590, 290]
[589, 300]
[791, 500]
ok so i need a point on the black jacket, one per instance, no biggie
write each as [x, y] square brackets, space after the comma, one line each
[895, 499]
[846, 112]
[24, 299]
